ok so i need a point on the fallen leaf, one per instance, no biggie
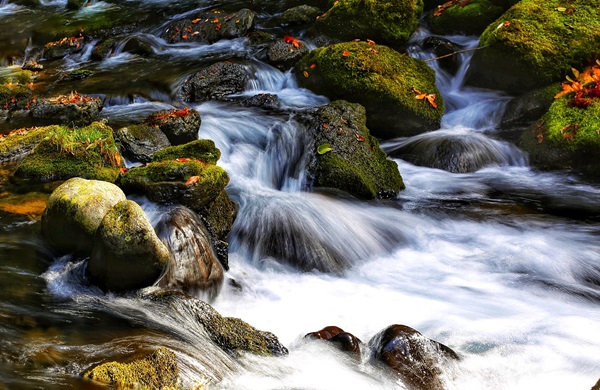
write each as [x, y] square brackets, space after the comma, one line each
[324, 148]
[346, 53]
[192, 180]
[359, 138]
[305, 73]
[312, 66]
[370, 42]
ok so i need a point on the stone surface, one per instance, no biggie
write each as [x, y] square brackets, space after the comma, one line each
[141, 142]
[214, 82]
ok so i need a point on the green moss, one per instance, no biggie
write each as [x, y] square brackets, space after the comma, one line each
[586, 136]
[471, 19]
[377, 77]
[202, 149]
[9, 75]
[22, 142]
[384, 21]
[170, 170]
[87, 152]
[544, 42]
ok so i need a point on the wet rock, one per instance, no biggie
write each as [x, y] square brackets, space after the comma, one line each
[141, 142]
[345, 341]
[417, 359]
[441, 46]
[469, 19]
[74, 5]
[210, 27]
[326, 333]
[194, 267]
[380, 79]
[158, 370]
[346, 156]
[265, 101]
[73, 110]
[103, 49]
[529, 52]
[529, 107]
[180, 126]
[231, 334]
[74, 212]
[75, 75]
[215, 82]
[597, 385]
[88, 152]
[284, 55]
[203, 150]
[63, 47]
[20, 142]
[14, 97]
[139, 45]
[389, 22]
[126, 254]
[301, 14]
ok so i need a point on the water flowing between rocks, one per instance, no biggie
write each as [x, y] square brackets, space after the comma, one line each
[501, 264]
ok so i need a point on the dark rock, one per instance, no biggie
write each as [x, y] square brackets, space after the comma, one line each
[345, 341]
[441, 46]
[103, 49]
[75, 75]
[126, 254]
[63, 47]
[596, 386]
[74, 212]
[301, 14]
[417, 359]
[180, 126]
[353, 163]
[215, 82]
[326, 333]
[210, 27]
[218, 217]
[529, 107]
[141, 142]
[73, 110]
[265, 101]
[139, 45]
[193, 267]
[284, 55]
[469, 19]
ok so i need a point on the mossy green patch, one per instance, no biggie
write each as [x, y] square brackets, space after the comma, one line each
[379, 78]
[537, 43]
[202, 149]
[385, 21]
[22, 141]
[471, 19]
[87, 152]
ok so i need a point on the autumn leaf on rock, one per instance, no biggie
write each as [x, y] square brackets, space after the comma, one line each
[192, 180]
[293, 41]
[346, 53]
[429, 97]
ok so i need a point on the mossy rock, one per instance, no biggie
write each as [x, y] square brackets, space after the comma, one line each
[471, 19]
[74, 212]
[141, 142]
[180, 126]
[218, 216]
[389, 22]
[203, 150]
[300, 15]
[158, 370]
[566, 137]
[505, 4]
[347, 157]
[538, 46]
[165, 182]
[380, 79]
[72, 110]
[22, 141]
[88, 152]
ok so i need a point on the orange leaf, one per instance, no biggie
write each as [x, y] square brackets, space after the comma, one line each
[183, 159]
[192, 180]
[325, 126]
[305, 73]
[431, 99]
[370, 42]
[346, 53]
[312, 66]
[359, 138]
[123, 171]
[196, 21]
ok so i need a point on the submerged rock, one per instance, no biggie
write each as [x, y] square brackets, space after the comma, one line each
[384, 81]
[347, 157]
[215, 82]
[74, 212]
[158, 370]
[194, 267]
[126, 254]
[417, 359]
[210, 27]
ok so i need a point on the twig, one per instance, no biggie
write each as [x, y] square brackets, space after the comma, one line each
[453, 53]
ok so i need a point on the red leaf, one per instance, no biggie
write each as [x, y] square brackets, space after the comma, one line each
[192, 180]
[346, 53]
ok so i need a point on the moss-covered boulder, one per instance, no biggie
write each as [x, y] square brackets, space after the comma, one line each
[158, 370]
[347, 157]
[193, 267]
[505, 4]
[71, 110]
[88, 152]
[180, 126]
[389, 22]
[127, 254]
[193, 183]
[141, 142]
[566, 137]
[470, 19]
[384, 81]
[535, 44]
[21, 141]
[203, 150]
[301, 14]
[74, 212]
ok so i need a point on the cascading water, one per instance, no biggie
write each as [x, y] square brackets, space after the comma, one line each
[494, 262]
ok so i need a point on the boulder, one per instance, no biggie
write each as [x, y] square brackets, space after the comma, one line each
[141, 142]
[180, 126]
[384, 81]
[210, 27]
[535, 44]
[266, 101]
[505, 4]
[194, 267]
[215, 82]
[158, 370]
[126, 254]
[21, 141]
[596, 386]
[345, 156]
[73, 110]
[74, 212]
[529, 107]
[344, 341]
[441, 47]
[203, 150]
[301, 14]
[417, 359]
[470, 19]
[389, 22]
[89, 152]
[284, 55]
[231, 334]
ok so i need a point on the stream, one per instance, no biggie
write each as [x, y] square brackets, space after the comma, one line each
[502, 264]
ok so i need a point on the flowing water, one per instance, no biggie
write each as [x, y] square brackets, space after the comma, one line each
[501, 264]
